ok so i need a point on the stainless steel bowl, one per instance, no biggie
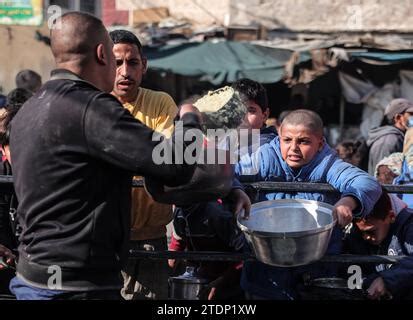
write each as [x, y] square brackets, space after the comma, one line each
[290, 232]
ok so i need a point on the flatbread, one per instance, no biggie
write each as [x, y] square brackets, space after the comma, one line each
[223, 108]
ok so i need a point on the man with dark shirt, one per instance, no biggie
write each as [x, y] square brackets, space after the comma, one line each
[74, 200]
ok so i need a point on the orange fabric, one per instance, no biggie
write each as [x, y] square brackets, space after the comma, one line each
[157, 111]
[149, 218]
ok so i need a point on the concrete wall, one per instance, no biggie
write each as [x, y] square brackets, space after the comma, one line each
[20, 50]
[325, 15]
[295, 15]
[203, 12]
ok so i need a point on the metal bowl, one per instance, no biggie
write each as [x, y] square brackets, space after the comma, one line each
[290, 232]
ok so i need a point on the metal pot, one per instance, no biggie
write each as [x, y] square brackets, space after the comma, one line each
[188, 286]
[290, 232]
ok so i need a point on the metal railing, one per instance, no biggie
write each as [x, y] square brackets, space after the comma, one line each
[233, 256]
[6, 186]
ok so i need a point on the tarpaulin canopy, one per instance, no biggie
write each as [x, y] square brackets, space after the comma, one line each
[224, 61]
[388, 57]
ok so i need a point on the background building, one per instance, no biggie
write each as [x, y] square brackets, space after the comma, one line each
[367, 39]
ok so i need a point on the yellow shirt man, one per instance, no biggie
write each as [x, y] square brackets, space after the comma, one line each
[143, 278]
[156, 110]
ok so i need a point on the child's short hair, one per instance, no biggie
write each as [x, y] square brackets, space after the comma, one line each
[306, 118]
[252, 90]
[18, 96]
[29, 80]
[382, 207]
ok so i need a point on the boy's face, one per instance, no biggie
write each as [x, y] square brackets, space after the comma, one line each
[375, 230]
[256, 117]
[299, 145]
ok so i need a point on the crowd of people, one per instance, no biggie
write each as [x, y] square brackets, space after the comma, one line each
[75, 142]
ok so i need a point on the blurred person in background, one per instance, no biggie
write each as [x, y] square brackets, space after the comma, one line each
[387, 139]
[29, 80]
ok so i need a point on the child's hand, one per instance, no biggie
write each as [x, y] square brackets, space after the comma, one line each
[343, 210]
[377, 290]
[240, 201]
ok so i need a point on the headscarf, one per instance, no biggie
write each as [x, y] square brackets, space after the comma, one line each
[394, 162]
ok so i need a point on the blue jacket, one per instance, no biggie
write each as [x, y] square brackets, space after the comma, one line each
[267, 134]
[267, 165]
[399, 241]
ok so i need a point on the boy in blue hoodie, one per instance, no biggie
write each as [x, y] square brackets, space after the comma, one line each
[300, 154]
[387, 230]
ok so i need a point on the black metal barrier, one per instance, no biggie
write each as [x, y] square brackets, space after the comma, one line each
[227, 256]
[302, 187]
[6, 186]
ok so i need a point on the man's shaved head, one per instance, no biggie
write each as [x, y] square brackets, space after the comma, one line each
[81, 44]
[75, 36]
[306, 118]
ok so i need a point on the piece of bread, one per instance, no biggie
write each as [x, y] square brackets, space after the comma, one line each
[223, 108]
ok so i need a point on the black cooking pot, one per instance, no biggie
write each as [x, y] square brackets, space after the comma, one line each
[188, 286]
